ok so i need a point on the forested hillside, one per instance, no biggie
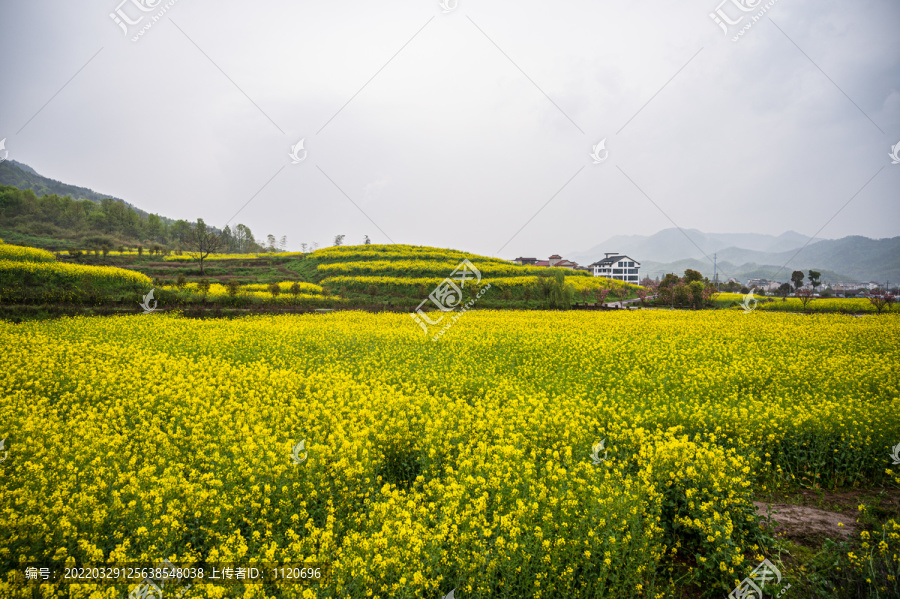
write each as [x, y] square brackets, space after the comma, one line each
[60, 223]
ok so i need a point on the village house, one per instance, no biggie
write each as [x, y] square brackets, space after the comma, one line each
[617, 267]
[555, 260]
[763, 284]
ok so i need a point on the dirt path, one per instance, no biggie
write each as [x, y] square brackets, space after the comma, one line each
[801, 523]
[815, 516]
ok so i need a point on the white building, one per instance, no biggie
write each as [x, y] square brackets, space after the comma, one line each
[765, 284]
[618, 268]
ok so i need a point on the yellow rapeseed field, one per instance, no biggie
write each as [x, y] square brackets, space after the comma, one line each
[25, 254]
[524, 454]
[793, 304]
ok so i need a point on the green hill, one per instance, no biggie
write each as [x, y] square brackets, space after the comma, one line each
[42, 212]
[406, 275]
[370, 277]
[22, 176]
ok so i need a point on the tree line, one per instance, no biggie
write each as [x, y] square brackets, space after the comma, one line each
[85, 224]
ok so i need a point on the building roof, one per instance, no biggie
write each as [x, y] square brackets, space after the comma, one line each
[555, 257]
[521, 259]
[542, 263]
[611, 259]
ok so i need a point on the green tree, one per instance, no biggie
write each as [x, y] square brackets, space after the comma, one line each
[204, 241]
[784, 290]
[154, 228]
[797, 279]
[203, 286]
[274, 289]
[339, 239]
[814, 277]
[561, 294]
[181, 229]
[692, 275]
[228, 239]
[233, 287]
[244, 239]
[295, 290]
[695, 291]
[667, 286]
[367, 241]
[680, 295]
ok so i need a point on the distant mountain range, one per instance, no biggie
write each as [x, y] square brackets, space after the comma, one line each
[749, 255]
[673, 243]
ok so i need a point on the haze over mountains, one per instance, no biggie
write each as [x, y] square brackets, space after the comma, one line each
[749, 255]
[669, 243]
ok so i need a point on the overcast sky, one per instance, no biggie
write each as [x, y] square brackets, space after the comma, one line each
[457, 129]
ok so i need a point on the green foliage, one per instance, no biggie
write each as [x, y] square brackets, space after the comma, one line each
[233, 287]
[695, 291]
[680, 294]
[691, 276]
[92, 220]
[560, 294]
[814, 277]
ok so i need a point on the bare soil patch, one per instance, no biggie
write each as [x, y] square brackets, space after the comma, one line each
[816, 515]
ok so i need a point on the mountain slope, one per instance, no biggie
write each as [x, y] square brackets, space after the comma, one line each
[691, 243]
[741, 272]
[851, 259]
[22, 176]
